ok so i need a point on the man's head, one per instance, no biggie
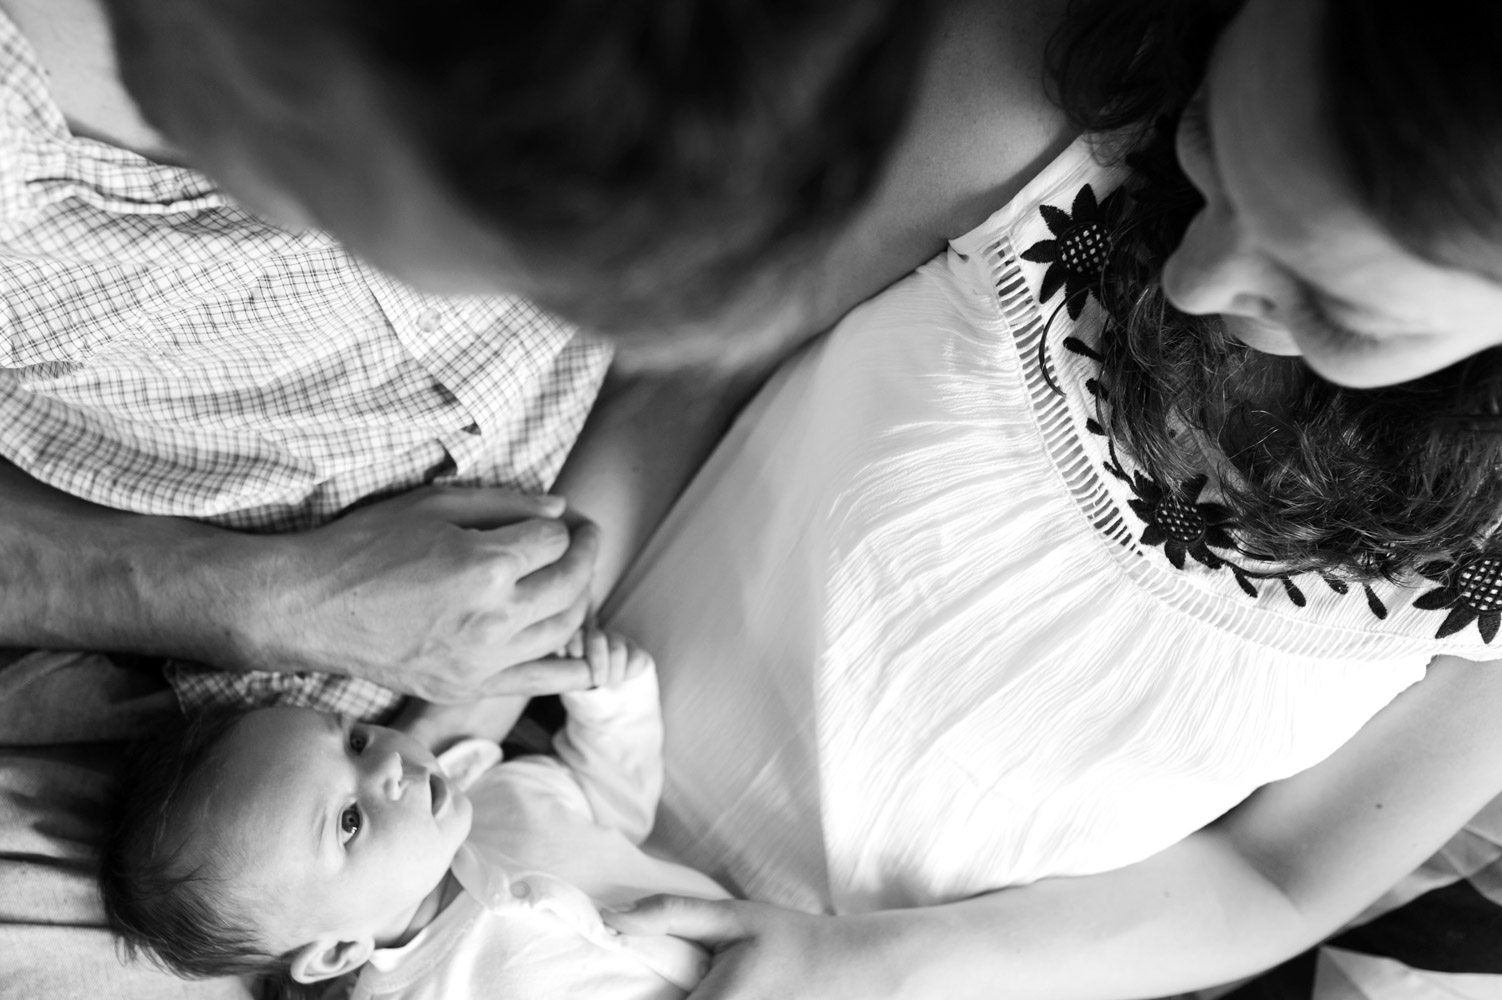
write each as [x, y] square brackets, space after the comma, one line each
[280, 842]
[635, 166]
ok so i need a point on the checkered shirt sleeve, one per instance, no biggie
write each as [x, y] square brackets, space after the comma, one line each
[164, 352]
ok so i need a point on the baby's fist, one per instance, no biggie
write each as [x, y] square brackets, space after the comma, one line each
[613, 659]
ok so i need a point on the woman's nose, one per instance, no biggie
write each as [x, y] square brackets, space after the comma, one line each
[1216, 271]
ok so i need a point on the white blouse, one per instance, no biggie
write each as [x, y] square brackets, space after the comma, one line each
[922, 633]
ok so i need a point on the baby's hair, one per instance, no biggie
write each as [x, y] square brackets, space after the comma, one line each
[165, 904]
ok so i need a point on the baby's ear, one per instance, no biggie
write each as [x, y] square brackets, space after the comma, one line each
[313, 963]
[466, 760]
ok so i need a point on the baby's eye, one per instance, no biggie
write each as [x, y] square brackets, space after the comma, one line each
[349, 824]
[358, 741]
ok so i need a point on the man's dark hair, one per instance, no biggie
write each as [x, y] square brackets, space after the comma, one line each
[646, 155]
[1358, 483]
[166, 904]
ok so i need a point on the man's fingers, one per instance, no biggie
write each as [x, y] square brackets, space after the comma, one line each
[549, 676]
[545, 638]
[709, 921]
[521, 549]
[477, 507]
[557, 585]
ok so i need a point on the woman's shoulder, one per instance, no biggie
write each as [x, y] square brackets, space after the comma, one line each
[1045, 252]
[1069, 191]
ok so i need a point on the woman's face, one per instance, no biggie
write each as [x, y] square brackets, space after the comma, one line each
[1283, 248]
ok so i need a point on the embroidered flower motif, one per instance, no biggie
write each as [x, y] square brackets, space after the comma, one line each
[1081, 247]
[1180, 523]
[1176, 519]
[1472, 591]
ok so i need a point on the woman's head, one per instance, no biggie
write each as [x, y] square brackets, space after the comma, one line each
[632, 165]
[1321, 476]
[1350, 157]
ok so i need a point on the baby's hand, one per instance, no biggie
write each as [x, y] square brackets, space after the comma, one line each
[612, 658]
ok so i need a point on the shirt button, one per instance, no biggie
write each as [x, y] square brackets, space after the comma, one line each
[428, 320]
[521, 890]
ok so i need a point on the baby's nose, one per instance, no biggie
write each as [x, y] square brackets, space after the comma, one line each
[400, 774]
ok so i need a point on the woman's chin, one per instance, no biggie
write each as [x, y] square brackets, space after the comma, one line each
[1269, 338]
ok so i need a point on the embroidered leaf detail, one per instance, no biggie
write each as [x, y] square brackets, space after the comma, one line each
[1042, 252]
[1241, 578]
[1432, 601]
[1052, 280]
[1457, 619]
[1058, 220]
[1081, 348]
[1336, 584]
[1076, 303]
[1094, 427]
[1374, 602]
[1294, 593]
[1085, 205]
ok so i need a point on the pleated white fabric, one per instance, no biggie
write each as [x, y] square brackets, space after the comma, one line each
[912, 647]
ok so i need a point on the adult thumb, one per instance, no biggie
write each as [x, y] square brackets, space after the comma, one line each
[550, 675]
[709, 921]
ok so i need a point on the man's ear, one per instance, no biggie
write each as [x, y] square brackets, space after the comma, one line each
[325, 959]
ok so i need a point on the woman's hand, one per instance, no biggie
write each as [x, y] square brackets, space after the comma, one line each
[763, 952]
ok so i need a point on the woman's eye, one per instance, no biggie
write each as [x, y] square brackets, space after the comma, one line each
[358, 741]
[349, 824]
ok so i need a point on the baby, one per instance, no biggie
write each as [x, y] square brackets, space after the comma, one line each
[289, 844]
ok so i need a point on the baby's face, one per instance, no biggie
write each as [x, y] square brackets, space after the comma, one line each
[331, 829]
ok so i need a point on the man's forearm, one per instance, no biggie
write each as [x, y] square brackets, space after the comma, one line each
[75, 575]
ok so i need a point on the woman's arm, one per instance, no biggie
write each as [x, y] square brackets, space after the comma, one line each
[1275, 875]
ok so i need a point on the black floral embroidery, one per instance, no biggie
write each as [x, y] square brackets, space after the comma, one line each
[1470, 589]
[1177, 518]
[1178, 521]
[1080, 249]
[1185, 525]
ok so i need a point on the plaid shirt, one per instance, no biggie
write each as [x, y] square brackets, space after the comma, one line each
[162, 351]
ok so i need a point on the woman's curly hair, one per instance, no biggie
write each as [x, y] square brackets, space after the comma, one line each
[1359, 483]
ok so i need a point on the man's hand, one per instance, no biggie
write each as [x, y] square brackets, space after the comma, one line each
[440, 593]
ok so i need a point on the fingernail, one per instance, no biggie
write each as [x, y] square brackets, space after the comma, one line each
[619, 908]
[553, 506]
